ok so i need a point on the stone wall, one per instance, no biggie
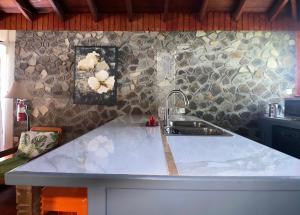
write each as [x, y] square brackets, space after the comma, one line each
[228, 76]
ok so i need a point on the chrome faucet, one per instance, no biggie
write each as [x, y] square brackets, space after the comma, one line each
[167, 110]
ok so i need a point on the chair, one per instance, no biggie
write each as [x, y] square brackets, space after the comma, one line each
[49, 129]
[26, 196]
[62, 199]
[16, 161]
[70, 200]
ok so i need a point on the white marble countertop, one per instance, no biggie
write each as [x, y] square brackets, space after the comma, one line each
[229, 156]
[126, 147]
[122, 146]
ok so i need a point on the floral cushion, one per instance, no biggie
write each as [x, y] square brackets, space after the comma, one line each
[34, 143]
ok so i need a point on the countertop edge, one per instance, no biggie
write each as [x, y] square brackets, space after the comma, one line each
[155, 181]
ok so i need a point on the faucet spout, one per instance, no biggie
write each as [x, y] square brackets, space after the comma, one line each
[167, 111]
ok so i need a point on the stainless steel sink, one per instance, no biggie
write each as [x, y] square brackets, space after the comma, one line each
[197, 128]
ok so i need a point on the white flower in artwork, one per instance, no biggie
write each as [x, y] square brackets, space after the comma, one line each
[110, 82]
[101, 82]
[93, 83]
[102, 89]
[101, 86]
[102, 66]
[102, 75]
[88, 62]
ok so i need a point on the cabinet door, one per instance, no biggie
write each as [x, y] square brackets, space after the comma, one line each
[286, 140]
[265, 129]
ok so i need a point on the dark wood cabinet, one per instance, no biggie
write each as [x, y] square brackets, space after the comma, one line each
[286, 140]
[281, 134]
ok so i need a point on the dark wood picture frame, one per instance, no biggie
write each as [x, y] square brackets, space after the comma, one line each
[110, 55]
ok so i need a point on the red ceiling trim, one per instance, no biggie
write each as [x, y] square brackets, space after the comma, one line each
[151, 22]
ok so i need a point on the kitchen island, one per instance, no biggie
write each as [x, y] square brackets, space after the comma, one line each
[131, 169]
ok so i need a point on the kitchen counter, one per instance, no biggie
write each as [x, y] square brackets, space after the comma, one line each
[123, 162]
[122, 146]
[229, 156]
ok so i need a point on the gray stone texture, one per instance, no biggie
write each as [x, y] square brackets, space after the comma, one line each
[229, 77]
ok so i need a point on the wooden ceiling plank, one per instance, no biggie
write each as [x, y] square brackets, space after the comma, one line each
[239, 10]
[294, 9]
[58, 8]
[26, 9]
[276, 10]
[166, 10]
[203, 9]
[94, 9]
[129, 9]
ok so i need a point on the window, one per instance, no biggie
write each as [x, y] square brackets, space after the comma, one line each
[7, 56]
[2, 65]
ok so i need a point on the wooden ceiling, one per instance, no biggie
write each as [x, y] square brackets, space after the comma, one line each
[29, 8]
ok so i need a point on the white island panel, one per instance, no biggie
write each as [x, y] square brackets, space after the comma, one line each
[184, 202]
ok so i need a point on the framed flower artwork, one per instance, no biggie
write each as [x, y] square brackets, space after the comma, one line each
[95, 75]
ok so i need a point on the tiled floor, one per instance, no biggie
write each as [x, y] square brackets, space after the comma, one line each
[7, 200]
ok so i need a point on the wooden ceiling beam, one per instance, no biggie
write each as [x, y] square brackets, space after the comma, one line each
[26, 9]
[277, 9]
[294, 9]
[58, 8]
[94, 9]
[166, 10]
[203, 9]
[239, 10]
[129, 9]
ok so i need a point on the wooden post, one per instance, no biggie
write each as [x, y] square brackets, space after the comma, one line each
[94, 9]
[28, 200]
[277, 9]
[129, 9]
[239, 10]
[58, 8]
[203, 9]
[26, 9]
